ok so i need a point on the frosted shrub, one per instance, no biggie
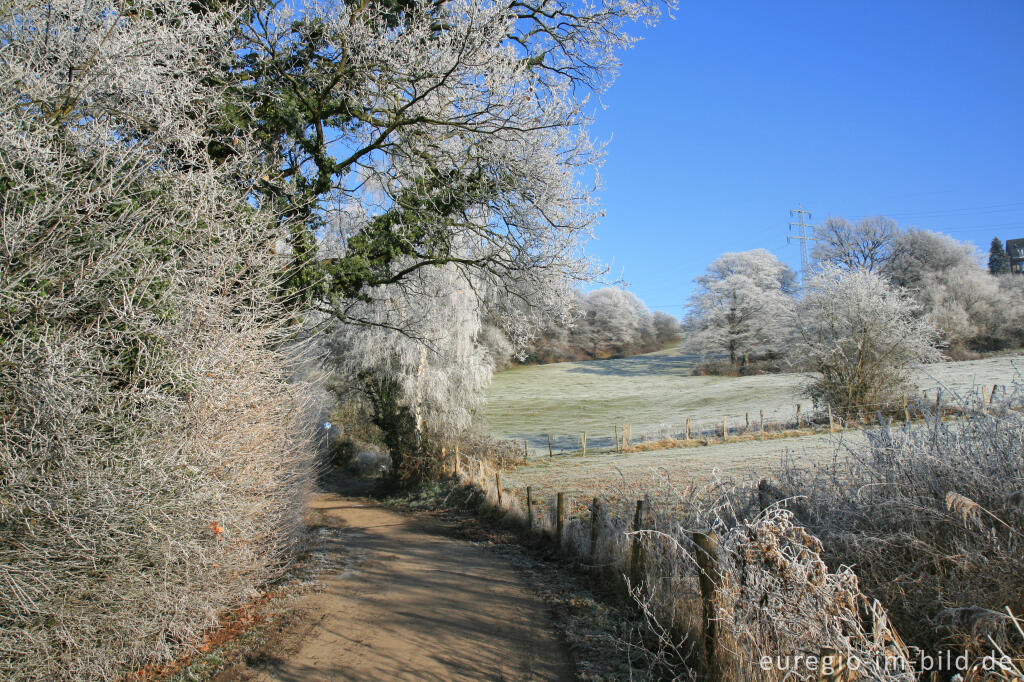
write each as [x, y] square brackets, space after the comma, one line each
[863, 337]
[152, 457]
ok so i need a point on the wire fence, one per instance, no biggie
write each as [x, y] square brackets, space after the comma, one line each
[801, 419]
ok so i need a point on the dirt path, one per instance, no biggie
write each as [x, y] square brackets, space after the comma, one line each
[412, 604]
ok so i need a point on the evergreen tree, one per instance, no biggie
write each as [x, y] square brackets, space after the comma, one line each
[998, 262]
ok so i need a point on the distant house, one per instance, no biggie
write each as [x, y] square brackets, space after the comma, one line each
[1015, 252]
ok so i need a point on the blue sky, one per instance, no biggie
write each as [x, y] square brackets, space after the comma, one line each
[733, 113]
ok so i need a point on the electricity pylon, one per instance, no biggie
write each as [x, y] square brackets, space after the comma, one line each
[805, 258]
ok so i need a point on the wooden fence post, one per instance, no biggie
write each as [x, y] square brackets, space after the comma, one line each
[636, 549]
[708, 579]
[529, 507]
[457, 461]
[687, 428]
[595, 528]
[764, 499]
[992, 395]
[798, 415]
[616, 427]
[559, 519]
[584, 443]
[550, 453]
[725, 429]
[497, 484]
[938, 403]
[762, 424]
[906, 411]
[831, 421]
[526, 449]
[746, 417]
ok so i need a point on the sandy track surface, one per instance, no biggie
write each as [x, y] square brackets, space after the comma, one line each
[412, 604]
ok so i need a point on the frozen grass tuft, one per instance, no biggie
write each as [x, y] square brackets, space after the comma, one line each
[930, 516]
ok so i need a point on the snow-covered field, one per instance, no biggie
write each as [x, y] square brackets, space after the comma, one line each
[656, 392]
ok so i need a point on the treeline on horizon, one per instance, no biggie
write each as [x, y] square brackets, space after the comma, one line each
[744, 312]
[608, 323]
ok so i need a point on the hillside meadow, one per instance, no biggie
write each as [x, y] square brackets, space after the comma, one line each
[655, 394]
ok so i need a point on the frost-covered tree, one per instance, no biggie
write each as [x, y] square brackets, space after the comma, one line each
[421, 144]
[614, 321]
[666, 328]
[1008, 327]
[864, 337]
[607, 322]
[947, 278]
[422, 366]
[445, 122]
[868, 244]
[917, 252]
[153, 456]
[963, 302]
[742, 307]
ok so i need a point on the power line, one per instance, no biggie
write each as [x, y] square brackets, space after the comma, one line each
[938, 213]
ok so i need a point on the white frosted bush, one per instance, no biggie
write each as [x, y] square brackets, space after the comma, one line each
[864, 337]
[152, 456]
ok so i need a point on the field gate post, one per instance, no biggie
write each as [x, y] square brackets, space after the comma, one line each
[595, 529]
[636, 549]
[764, 499]
[529, 507]
[559, 519]
[708, 579]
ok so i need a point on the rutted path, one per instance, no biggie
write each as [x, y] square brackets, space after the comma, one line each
[412, 604]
